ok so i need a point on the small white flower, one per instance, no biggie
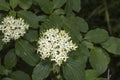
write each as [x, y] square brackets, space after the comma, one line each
[13, 28]
[55, 44]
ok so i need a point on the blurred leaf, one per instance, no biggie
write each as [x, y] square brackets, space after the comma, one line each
[7, 79]
[101, 79]
[97, 35]
[26, 51]
[3, 70]
[59, 12]
[31, 36]
[41, 71]
[4, 5]
[14, 3]
[29, 17]
[67, 24]
[74, 68]
[112, 45]
[72, 5]
[58, 3]
[83, 50]
[99, 60]
[91, 74]
[88, 44]
[20, 75]
[54, 21]
[1, 44]
[46, 6]
[12, 13]
[10, 59]
[75, 25]
[79, 23]
[68, 7]
[76, 5]
[25, 4]
[42, 17]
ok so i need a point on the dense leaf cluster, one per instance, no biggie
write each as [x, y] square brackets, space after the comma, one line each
[19, 59]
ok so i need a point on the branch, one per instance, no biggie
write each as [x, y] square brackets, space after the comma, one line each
[107, 17]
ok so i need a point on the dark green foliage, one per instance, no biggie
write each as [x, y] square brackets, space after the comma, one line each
[42, 70]
[26, 51]
[18, 75]
[10, 59]
[99, 60]
[84, 20]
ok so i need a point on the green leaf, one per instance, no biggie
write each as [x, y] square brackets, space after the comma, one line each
[18, 75]
[12, 13]
[26, 51]
[54, 21]
[46, 6]
[25, 4]
[7, 79]
[68, 7]
[3, 70]
[29, 17]
[41, 71]
[58, 3]
[42, 17]
[112, 45]
[99, 60]
[101, 79]
[31, 36]
[91, 74]
[4, 5]
[97, 35]
[74, 68]
[59, 12]
[77, 24]
[10, 59]
[14, 3]
[76, 5]
[72, 5]
[88, 44]
[83, 50]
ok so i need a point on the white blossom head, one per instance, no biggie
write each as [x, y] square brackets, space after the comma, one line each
[55, 45]
[13, 28]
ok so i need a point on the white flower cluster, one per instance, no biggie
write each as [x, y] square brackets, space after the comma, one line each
[13, 28]
[55, 44]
